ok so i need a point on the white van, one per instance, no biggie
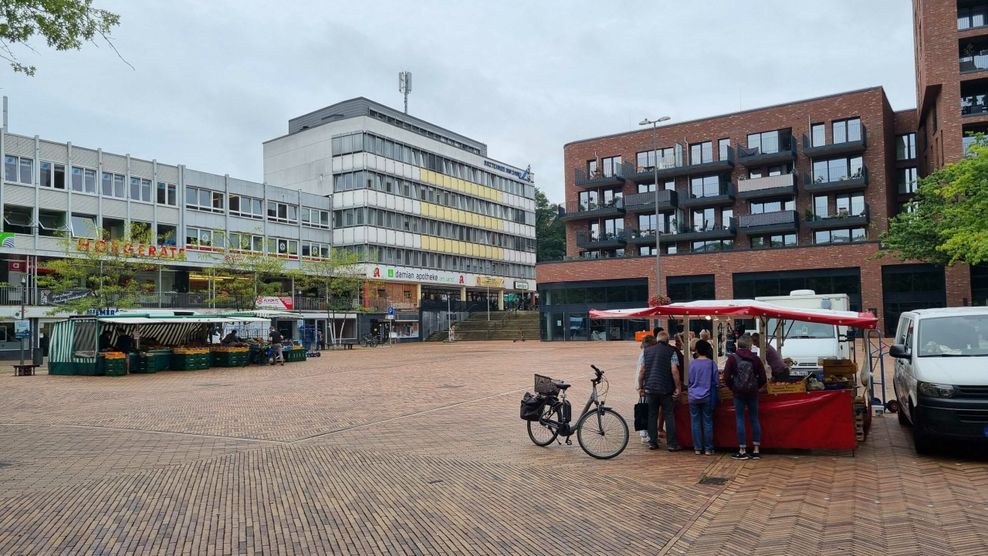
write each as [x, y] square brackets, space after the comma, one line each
[941, 373]
[806, 342]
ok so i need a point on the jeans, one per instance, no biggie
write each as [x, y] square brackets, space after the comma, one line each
[668, 406]
[702, 420]
[278, 357]
[751, 403]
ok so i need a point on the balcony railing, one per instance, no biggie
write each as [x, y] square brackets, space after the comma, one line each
[723, 196]
[754, 157]
[770, 222]
[707, 231]
[645, 202]
[578, 211]
[846, 147]
[647, 237]
[600, 179]
[839, 183]
[841, 219]
[601, 240]
[668, 167]
[976, 62]
[768, 186]
[974, 105]
[723, 164]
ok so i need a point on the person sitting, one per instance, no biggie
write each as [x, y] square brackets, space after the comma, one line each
[125, 343]
[105, 341]
[775, 362]
[230, 339]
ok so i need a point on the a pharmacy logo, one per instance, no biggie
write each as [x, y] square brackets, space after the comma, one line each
[7, 240]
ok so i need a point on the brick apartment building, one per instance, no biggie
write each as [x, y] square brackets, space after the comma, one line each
[765, 201]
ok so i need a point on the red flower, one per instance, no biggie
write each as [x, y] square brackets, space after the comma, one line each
[659, 299]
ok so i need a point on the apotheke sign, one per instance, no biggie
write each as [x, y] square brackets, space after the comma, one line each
[416, 275]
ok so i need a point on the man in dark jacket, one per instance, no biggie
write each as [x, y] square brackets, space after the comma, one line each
[745, 384]
[661, 386]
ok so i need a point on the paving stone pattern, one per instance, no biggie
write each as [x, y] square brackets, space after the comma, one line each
[418, 449]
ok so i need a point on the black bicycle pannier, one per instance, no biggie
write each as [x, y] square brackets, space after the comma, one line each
[531, 407]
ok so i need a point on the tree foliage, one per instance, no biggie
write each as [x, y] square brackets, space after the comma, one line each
[336, 279]
[550, 231]
[241, 276]
[98, 273]
[946, 222]
[63, 24]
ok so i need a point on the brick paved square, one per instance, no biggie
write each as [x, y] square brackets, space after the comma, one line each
[418, 449]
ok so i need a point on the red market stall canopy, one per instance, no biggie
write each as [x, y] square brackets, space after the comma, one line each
[741, 308]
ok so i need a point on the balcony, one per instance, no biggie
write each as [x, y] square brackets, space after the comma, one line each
[725, 164]
[783, 185]
[600, 180]
[723, 198]
[833, 149]
[973, 63]
[645, 202]
[783, 221]
[669, 167]
[974, 105]
[707, 232]
[602, 240]
[753, 158]
[647, 237]
[858, 181]
[842, 219]
[577, 211]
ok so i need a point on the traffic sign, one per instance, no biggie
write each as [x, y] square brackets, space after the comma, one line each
[391, 311]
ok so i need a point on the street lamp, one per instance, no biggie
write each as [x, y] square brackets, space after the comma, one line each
[658, 246]
[23, 310]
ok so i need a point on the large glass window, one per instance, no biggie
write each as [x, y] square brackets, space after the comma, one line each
[588, 200]
[852, 235]
[704, 219]
[52, 175]
[838, 169]
[724, 149]
[850, 204]
[846, 131]
[768, 142]
[819, 135]
[773, 241]
[610, 166]
[705, 186]
[701, 153]
[749, 285]
[761, 207]
[84, 225]
[969, 17]
[166, 193]
[905, 146]
[909, 287]
[907, 180]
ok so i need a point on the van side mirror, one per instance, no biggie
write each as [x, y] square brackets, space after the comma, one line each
[849, 335]
[899, 351]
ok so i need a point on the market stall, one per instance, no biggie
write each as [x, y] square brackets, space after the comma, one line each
[831, 411]
[145, 343]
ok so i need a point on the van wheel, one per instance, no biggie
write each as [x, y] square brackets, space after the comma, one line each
[902, 417]
[922, 442]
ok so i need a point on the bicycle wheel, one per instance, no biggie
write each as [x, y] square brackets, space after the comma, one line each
[541, 433]
[602, 433]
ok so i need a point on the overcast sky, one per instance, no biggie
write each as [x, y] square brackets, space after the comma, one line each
[213, 79]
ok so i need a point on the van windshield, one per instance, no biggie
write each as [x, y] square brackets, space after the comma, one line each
[960, 336]
[803, 329]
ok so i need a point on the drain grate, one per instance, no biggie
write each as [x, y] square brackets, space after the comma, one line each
[708, 480]
[4, 464]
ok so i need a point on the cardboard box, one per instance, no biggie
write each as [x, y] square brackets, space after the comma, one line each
[838, 366]
[787, 387]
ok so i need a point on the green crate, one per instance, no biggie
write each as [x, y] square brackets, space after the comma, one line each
[193, 362]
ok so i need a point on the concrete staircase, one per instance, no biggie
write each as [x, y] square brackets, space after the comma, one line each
[504, 325]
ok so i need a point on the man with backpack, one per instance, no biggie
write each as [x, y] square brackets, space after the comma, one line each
[660, 385]
[275, 338]
[744, 374]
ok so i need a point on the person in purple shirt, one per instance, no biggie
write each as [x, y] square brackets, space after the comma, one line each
[776, 365]
[703, 397]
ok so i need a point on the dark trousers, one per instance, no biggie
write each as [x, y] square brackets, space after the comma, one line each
[668, 407]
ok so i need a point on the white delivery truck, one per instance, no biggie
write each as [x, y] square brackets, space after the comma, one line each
[806, 342]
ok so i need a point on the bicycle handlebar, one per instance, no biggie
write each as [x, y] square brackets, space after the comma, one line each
[599, 372]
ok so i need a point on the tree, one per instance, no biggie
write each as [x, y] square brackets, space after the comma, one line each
[336, 279]
[99, 273]
[241, 276]
[945, 222]
[64, 25]
[550, 231]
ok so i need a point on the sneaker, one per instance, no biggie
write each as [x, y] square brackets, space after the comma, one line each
[756, 455]
[740, 455]
[708, 453]
[698, 452]
[674, 448]
[644, 439]
[653, 446]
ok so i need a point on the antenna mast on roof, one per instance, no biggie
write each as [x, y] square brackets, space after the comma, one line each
[405, 85]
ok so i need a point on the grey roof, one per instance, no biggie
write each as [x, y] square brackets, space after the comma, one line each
[361, 106]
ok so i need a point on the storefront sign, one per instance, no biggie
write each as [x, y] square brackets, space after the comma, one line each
[415, 275]
[129, 249]
[101, 312]
[489, 282]
[284, 303]
[22, 329]
[521, 174]
[519, 285]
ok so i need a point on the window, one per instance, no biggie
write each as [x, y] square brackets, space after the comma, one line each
[645, 161]
[246, 242]
[282, 212]
[850, 205]
[724, 149]
[242, 205]
[84, 225]
[315, 218]
[701, 153]
[818, 133]
[712, 246]
[773, 241]
[203, 199]
[847, 131]
[167, 194]
[704, 220]
[52, 175]
[167, 235]
[769, 142]
[315, 250]
[706, 186]
[592, 168]
[113, 185]
[199, 238]
[18, 220]
[610, 166]
[282, 246]
[18, 169]
[772, 206]
[838, 169]
[821, 206]
[967, 141]
[905, 146]
[614, 226]
[140, 189]
[851, 235]
[971, 16]
[51, 222]
[906, 178]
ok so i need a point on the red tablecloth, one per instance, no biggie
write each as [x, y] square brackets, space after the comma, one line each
[812, 420]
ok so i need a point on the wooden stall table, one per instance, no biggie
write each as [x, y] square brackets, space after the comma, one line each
[24, 370]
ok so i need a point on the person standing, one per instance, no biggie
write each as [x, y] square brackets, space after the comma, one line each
[647, 341]
[275, 338]
[744, 374]
[319, 339]
[776, 364]
[661, 386]
[702, 391]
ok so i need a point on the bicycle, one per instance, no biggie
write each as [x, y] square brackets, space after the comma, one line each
[601, 431]
[369, 340]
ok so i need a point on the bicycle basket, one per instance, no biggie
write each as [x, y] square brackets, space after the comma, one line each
[531, 407]
[544, 385]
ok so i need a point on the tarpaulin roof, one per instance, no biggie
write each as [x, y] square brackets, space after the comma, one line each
[179, 319]
[742, 308]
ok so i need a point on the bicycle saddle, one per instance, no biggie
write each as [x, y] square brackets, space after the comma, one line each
[560, 384]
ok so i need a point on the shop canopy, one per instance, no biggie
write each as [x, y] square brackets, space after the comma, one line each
[741, 309]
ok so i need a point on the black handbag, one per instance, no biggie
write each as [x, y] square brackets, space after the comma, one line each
[641, 415]
[531, 407]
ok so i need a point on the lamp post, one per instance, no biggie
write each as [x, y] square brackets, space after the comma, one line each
[23, 311]
[658, 247]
